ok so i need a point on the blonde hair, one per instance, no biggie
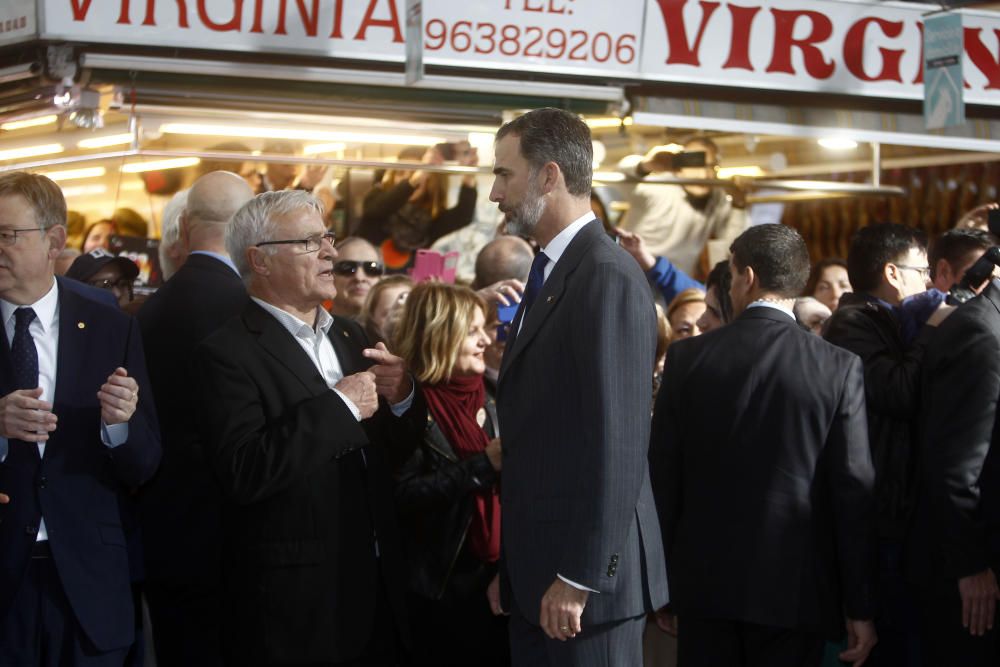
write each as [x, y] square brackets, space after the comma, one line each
[435, 321]
[690, 295]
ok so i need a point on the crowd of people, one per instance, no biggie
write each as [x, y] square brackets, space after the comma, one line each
[294, 454]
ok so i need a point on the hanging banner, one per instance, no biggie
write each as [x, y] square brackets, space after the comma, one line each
[414, 41]
[844, 47]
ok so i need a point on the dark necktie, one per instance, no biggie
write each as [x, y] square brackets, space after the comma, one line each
[535, 279]
[24, 356]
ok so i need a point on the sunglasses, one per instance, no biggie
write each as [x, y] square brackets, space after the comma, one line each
[347, 267]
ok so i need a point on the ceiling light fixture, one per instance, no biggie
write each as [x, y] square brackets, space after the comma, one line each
[298, 135]
[837, 143]
[609, 176]
[334, 147]
[750, 170]
[31, 151]
[29, 122]
[73, 174]
[84, 190]
[155, 165]
[608, 123]
[104, 142]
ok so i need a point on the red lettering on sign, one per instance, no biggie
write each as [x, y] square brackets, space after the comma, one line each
[80, 11]
[338, 19]
[528, 7]
[124, 16]
[235, 23]
[854, 49]
[391, 22]
[816, 64]
[739, 46]
[679, 50]
[258, 16]
[310, 20]
[981, 57]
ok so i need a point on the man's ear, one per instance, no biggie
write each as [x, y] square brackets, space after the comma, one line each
[751, 279]
[57, 240]
[552, 174]
[258, 260]
[943, 271]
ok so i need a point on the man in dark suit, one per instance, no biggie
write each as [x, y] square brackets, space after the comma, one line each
[763, 477]
[77, 432]
[181, 504]
[291, 423]
[581, 560]
[953, 550]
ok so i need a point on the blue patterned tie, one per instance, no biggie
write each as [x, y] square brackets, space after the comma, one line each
[535, 279]
[23, 354]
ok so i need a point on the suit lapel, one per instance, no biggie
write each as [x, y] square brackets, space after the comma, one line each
[280, 344]
[550, 294]
[75, 326]
[346, 345]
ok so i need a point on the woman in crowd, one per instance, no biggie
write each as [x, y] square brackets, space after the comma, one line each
[408, 209]
[447, 491]
[388, 295]
[97, 235]
[828, 281]
[684, 312]
[718, 305]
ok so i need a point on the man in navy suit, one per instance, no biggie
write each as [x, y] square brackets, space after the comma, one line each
[77, 432]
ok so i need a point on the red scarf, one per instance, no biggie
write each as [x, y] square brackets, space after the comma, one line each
[454, 404]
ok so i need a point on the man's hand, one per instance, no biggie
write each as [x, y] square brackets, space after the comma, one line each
[503, 292]
[494, 453]
[118, 397]
[23, 416]
[861, 639]
[4, 499]
[738, 190]
[979, 601]
[311, 176]
[561, 609]
[493, 595]
[360, 388]
[391, 378]
[666, 621]
[635, 246]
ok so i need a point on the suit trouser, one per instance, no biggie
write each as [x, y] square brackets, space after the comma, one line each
[186, 616]
[40, 629]
[615, 644]
[945, 641]
[714, 642]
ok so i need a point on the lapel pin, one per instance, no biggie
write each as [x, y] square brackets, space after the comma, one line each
[346, 334]
[81, 325]
[549, 300]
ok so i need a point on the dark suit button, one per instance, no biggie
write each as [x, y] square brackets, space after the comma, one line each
[614, 558]
[42, 481]
[31, 530]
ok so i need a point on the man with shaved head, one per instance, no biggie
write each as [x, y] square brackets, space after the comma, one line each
[181, 504]
[503, 258]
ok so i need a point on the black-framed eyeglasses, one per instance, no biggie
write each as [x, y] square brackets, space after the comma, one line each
[9, 236]
[309, 244]
[348, 267]
[124, 284]
[924, 271]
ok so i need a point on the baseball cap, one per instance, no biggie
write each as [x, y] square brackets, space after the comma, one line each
[85, 266]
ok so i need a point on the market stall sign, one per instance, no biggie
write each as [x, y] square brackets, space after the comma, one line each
[830, 46]
[17, 21]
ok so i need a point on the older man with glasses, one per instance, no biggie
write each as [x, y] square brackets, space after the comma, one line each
[294, 430]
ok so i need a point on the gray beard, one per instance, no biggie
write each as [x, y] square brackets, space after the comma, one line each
[523, 219]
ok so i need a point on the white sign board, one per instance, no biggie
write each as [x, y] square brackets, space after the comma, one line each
[17, 21]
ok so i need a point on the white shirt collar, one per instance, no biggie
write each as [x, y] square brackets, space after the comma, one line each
[45, 308]
[294, 325]
[557, 246]
[770, 304]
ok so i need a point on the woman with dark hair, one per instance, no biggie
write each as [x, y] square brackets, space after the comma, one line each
[718, 305]
[447, 493]
[408, 209]
[97, 235]
[828, 281]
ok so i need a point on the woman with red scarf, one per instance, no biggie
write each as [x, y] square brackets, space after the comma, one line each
[447, 492]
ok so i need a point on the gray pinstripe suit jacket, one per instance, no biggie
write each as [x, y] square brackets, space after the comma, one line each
[574, 401]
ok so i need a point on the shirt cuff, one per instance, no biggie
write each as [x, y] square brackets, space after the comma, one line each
[350, 404]
[3, 449]
[399, 409]
[575, 585]
[114, 435]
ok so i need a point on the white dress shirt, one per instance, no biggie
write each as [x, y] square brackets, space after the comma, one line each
[776, 306]
[44, 330]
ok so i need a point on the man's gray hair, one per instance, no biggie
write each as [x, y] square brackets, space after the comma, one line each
[254, 223]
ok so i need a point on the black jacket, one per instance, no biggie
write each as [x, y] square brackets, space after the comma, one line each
[892, 398]
[435, 499]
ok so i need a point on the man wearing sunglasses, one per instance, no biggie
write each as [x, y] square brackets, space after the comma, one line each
[355, 271]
